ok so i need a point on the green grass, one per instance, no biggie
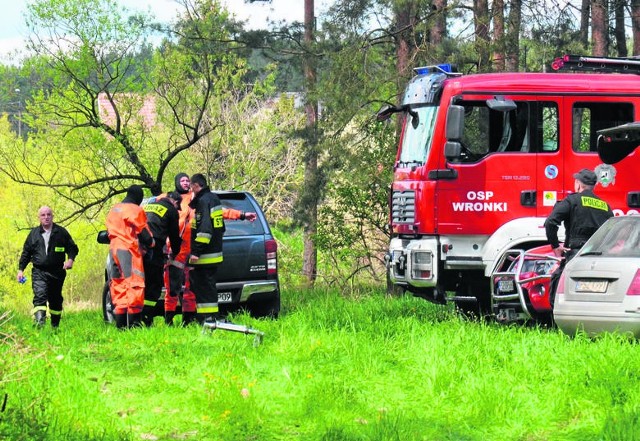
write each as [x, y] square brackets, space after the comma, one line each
[331, 368]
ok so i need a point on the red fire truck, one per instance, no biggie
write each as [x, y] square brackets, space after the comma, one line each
[483, 158]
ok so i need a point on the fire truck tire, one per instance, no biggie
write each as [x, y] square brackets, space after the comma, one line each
[473, 298]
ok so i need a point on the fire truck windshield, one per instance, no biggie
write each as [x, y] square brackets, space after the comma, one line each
[416, 141]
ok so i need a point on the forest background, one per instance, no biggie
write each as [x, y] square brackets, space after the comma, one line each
[108, 98]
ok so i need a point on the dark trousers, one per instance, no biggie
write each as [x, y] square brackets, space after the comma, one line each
[153, 275]
[555, 276]
[47, 288]
[202, 280]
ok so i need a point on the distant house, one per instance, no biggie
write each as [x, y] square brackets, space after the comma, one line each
[147, 112]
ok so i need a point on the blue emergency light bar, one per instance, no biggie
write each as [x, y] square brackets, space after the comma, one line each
[442, 68]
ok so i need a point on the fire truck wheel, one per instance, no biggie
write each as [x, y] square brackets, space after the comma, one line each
[473, 298]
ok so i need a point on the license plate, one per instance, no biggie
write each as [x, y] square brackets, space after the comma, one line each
[505, 285]
[224, 297]
[598, 286]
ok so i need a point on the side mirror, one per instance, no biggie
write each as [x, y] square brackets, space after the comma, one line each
[385, 113]
[499, 104]
[415, 119]
[455, 122]
[103, 237]
[452, 150]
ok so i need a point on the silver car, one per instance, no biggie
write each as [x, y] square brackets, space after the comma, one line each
[599, 290]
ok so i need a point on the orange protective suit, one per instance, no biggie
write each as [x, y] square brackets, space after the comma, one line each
[129, 235]
[177, 273]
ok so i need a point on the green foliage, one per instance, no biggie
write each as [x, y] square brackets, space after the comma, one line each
[352, 228]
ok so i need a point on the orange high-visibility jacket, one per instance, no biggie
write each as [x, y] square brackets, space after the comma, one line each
[127, 227]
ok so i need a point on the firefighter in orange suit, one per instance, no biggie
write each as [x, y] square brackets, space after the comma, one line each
[177, 274]
[129, 237]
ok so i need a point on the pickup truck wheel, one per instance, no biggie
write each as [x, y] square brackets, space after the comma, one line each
[107, 306]
[268, 308]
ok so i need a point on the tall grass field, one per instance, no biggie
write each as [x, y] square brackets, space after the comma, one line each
[331, 368]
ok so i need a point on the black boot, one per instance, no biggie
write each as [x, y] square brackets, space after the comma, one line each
[208, 318]
[147, 316]
[168, 317]
[188, 318]
[133, 320]
[121, 321]
[55, 320]
[40, 317]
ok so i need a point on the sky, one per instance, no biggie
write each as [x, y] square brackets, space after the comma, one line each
[13, 31]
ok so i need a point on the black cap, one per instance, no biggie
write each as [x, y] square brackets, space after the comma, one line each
[134, 194]
[176, 197]
[586, 176]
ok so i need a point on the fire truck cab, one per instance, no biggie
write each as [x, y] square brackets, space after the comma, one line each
[483, 158]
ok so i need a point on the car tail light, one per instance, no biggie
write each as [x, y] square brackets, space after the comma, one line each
[634, 288]
[560, 287]
[271, 248]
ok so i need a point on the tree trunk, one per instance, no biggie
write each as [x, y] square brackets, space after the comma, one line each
[310, 253]
[512, 36]
[635, 25]
[585, 9]
[599, 28]
[405, 43]
[619, 32]
[498, 35]
[481, 31]
[438, 29]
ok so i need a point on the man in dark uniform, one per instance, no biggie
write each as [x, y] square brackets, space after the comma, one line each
[162, 219]
[52, 251]
[207, 229]
[582, 213]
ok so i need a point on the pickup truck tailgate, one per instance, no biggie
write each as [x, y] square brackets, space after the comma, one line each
[244, 258]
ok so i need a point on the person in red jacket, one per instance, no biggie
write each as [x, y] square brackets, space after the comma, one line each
[129, 237]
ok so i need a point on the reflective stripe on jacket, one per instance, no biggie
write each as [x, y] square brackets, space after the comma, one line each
[207, 228]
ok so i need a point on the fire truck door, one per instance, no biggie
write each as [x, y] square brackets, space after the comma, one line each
[496, 177]
[550, 161]
[587, 115]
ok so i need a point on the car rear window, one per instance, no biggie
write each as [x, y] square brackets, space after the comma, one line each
[239, 201]
[618, 237]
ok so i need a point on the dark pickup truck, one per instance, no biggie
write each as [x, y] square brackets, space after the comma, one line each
[248, 275]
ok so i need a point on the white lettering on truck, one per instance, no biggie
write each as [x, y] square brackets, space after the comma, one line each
[479, 206]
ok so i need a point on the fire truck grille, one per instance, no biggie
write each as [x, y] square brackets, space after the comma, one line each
[403, 207]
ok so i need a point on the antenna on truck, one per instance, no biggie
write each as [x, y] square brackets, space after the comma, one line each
[597, 64]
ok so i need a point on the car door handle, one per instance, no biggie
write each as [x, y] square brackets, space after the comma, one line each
[528, 198]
